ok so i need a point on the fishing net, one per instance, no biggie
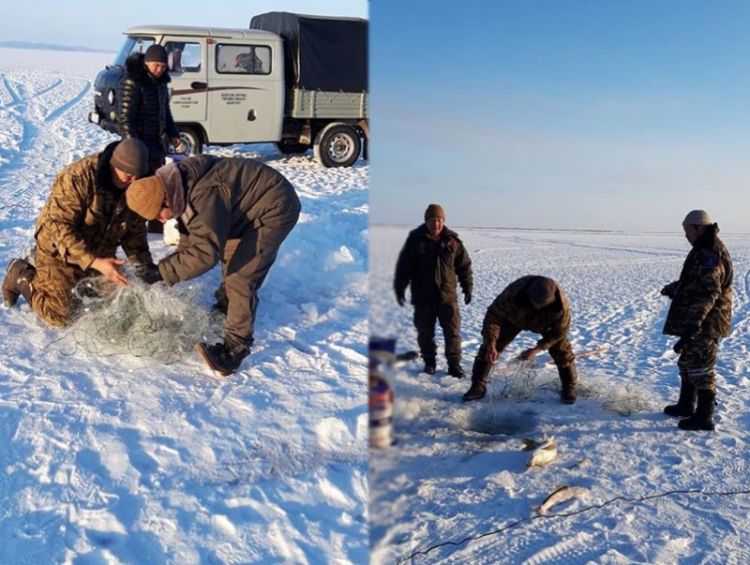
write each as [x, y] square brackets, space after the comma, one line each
[143, 321]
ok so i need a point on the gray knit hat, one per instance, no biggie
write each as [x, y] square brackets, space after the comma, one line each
[542, 292]
[155, 54]
[697, 218]
[131, 156]
[434, 211]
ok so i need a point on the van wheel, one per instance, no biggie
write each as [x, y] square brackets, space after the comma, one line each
[338, 146]
[291, 148]
[191, 139]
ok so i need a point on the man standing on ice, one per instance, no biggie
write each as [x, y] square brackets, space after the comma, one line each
[700, 314]
[433, 260]
[78, 231]
[237, 211]
[532, 303]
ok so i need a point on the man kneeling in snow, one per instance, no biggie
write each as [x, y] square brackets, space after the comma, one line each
[532, 303]
[232, 210]
[79, 230]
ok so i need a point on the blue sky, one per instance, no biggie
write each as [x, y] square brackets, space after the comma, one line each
[561, 114]
[97, 24]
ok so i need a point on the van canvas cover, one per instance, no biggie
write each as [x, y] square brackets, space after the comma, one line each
[320, 52]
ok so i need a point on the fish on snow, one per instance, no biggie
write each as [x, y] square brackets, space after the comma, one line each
[561, 495]
[543, 453]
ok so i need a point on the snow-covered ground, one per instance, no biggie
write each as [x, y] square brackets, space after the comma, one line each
[455, 488]
[113, 457]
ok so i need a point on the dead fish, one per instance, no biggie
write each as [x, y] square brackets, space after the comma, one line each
[560, 495]
[544, 452]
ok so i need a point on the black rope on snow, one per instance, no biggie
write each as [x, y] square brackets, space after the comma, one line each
[507, 527]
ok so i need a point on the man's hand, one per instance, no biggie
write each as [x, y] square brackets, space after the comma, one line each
[177, 145]
[529, 354]
[467, 298]
[147, 272]
[400, 299]
[492, 354]
[108, 266]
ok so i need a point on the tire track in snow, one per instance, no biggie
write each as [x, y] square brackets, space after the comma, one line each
[55, 84]
[55, 114]
[15, 98]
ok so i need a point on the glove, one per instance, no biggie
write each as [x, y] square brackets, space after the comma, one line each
[148, 273]
[668, 290]
[400, 299]
[467, 298]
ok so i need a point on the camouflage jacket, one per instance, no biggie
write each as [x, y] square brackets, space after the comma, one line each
[86, 216]
[702, 297]
[513, 307]
[433, 268]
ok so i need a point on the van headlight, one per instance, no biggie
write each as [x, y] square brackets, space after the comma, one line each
[111, 96]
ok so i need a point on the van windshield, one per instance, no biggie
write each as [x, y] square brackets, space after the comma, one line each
[133, 44]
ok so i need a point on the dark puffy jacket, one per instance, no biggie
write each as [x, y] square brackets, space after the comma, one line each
[514, 307]
[86, 216]
[144, 106]
[226, 198]
[702, 297]
[433, 268]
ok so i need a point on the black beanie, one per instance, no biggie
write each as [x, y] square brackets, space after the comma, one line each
[155, 54]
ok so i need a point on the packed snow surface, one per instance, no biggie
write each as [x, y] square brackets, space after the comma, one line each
[456, 488]
[115, 453]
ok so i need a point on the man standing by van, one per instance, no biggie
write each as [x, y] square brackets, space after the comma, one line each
[433, 260]
[237, 211]
[144, 104]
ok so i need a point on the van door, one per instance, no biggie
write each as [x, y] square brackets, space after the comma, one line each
[246, 92]
[186, 62]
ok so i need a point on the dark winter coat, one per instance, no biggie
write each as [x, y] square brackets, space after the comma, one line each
[86, 216]
[144, 106]
[433, 268]
[513, 307]
[702, 297]
[226, 198]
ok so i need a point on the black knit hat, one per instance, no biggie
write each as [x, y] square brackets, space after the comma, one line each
[155, 54]
[542, 292]
[131, 156]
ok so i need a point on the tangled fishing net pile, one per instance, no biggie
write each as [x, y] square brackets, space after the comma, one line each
[144, 321]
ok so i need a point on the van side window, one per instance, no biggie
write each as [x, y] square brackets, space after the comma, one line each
[243, 59]
[183, 57]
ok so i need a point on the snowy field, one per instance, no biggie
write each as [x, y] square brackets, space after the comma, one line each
[111, 455]
[455, 488]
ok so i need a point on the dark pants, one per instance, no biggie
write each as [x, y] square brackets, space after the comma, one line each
[449, 316]
[697, 361]
[561, 352]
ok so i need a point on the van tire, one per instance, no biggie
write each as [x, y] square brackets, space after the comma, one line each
[192, 139]
[338, 145]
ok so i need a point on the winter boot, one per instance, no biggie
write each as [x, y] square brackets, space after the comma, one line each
[480, 375]
[569, 379]
[703, 417]
[222, 358]
[685, 406]
[17, 282]
[429, 366]
[455, 369]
